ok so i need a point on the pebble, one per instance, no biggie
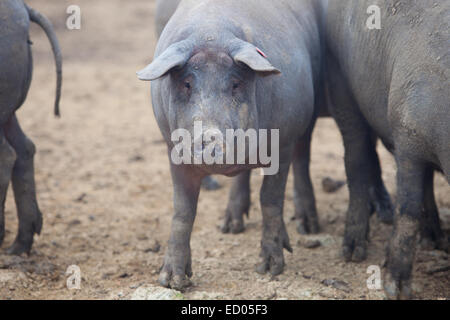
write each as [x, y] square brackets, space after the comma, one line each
[156, 293]
[312, 244]
[330, 186]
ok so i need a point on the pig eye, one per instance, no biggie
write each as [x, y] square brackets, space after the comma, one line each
[187, 85]
[236, 85]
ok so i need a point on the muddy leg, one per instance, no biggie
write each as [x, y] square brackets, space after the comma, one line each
[304, 200]
[274, 236]
[361, 164]
[238, 204]
[177, 263]
[431, 234]
[380, 198]
[30, 218]
[402, 247]
[7, 159]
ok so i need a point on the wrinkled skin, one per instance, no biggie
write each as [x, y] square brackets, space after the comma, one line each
[392, 83]
[16, 150]
[207, 68]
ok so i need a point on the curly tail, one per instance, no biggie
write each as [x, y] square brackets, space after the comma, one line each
[46, 25]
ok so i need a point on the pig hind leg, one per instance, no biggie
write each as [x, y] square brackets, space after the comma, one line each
[210, 184]
[380, 199]
[7, 160]
[30, 218]
[361, 164]
[411, 179]
[432, 236]
[304, 200]
[238, 204]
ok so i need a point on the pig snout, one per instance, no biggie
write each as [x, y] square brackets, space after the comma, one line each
[209, 144]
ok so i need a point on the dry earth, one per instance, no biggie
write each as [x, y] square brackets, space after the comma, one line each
[105, 191]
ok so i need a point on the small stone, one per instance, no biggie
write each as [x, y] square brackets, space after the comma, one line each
[74, 223]
[135, 286]
[202, 295]
[142, 237]
[137, 158]
[306, 293]
[154, 248]
[156, 293]
[81, 198]
[312, 244]
[330, 186]
[337, 284]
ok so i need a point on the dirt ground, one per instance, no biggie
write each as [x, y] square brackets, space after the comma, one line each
[104, 187]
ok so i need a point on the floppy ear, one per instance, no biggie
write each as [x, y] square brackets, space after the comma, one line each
[254, 58]
[177, 55]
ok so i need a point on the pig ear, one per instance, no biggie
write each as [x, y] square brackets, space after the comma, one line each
[254, 58]
[176, 56]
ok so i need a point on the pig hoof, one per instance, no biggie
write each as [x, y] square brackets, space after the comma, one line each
[20, 246]
[397, 289]
[353, 250]
[355, 254]
[273, 263]
[234, 216]
[272, 255]
[210, 184]
[354, 246]
[235, 226]
[24, 239]
[177, 282]
[304, 226]
[274, 267]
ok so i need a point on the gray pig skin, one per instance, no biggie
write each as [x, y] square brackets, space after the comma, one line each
[392, 83]
[164, 11]
[16, 150]
[207, 67]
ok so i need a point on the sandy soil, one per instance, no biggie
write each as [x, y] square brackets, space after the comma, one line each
[105, 190]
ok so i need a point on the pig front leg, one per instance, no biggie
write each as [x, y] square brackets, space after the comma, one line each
[361, 164]
[274, 237]
[177, 270]
[410, 182]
